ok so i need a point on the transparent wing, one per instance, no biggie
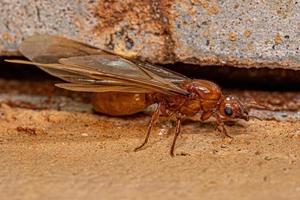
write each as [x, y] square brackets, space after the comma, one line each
[84, 76]
[58, 71]
[102, 88]
[79, 63]
[122, 69]
[170, 75]
[45, 48]
[49, 49]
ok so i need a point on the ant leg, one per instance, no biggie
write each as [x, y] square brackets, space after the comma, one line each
[154, 117]
[223, 130]
[178, 126]
[221, 127]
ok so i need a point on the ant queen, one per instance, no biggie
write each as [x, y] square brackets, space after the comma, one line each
[124, 86]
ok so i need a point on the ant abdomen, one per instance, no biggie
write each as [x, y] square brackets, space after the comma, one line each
[119, 103]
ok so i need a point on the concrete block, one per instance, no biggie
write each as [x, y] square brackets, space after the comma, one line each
[232, 33]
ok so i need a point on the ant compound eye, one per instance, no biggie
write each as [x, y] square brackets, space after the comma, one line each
[228, 111]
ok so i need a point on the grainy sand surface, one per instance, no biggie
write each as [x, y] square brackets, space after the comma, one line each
[59, 154]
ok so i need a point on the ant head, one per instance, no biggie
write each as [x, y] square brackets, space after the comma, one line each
[232, 108]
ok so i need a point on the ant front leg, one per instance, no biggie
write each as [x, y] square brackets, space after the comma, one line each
[153, 120]
[221, 126]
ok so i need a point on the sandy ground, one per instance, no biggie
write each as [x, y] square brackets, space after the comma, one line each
[51, 154]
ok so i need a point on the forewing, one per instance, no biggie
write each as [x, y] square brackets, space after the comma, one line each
[84, 64]
[75, 74]
[170, 75]
[122, 69]
[49, 49]
[107, 64]
[102, 88]
[59, 71]
[43, 48]
[89, 79]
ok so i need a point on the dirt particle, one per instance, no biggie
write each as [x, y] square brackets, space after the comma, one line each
[215, 151]
[21, 104]
[206, 33]
[284, 115]
[203, 3]
[183, 154]
[250, 46]
[207, 42]
[268, 42]
[294, 134]
[232, 36]
[7, 37]
[84, 134]
[278, 39]
[110, 44]
[213, 10]
[266, 178]
[285, 170]
[247, 33]
[129, 43]
[267, 158]
[30, 131]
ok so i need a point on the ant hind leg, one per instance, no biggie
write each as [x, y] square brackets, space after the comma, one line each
[177, 132]
[153, 120]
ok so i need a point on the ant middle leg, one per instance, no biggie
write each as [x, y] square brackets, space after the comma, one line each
[153, 120]
[177, 132]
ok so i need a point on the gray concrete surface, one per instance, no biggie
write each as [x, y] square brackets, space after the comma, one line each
[237, 33]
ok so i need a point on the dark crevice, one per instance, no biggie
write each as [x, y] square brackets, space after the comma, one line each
[243, 78]
[226, 77]
[21, 72]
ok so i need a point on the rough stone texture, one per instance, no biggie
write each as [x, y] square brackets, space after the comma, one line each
[238, 33]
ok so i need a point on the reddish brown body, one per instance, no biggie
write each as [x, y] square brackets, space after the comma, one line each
[204, 97]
